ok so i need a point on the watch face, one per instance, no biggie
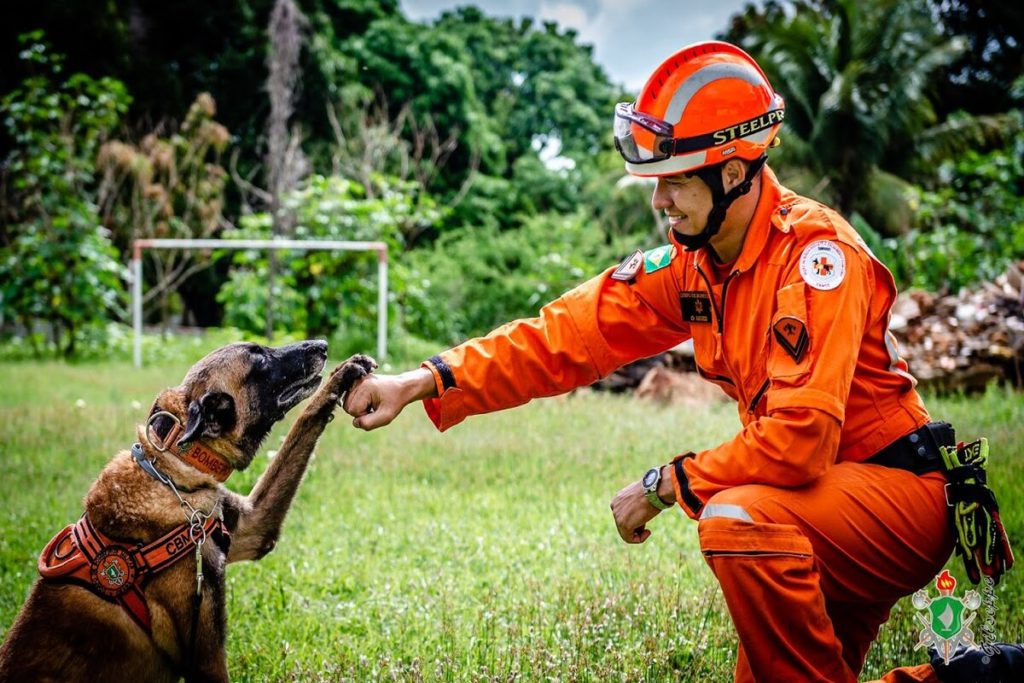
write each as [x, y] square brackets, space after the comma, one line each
[650, 478]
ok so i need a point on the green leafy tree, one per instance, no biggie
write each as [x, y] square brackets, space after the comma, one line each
[966, 231]
[858, 78]
[166, 52]
[57, 265]
[980, 80]
[505, 90]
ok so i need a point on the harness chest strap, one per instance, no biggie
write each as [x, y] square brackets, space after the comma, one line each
[114, 570]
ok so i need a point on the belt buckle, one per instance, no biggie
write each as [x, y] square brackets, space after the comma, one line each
[945, 493]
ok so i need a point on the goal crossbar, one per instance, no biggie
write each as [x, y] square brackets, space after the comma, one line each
[278, 244]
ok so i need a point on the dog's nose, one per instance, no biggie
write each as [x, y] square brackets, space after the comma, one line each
[316, 347]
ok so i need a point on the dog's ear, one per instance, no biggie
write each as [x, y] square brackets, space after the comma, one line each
[211, 415]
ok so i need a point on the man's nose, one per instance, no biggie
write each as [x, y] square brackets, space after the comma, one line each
[661, 199]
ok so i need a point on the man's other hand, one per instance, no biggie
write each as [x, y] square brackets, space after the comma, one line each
[632, 512]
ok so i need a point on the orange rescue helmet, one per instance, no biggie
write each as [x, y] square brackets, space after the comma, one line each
[706, 104]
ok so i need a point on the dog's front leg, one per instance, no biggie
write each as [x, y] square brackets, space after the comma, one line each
[255, 521]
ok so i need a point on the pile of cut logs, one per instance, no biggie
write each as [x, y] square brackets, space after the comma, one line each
[951, 342]
[966, 340]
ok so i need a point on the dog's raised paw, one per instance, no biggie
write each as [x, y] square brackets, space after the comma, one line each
[352, 370]
[362, 360]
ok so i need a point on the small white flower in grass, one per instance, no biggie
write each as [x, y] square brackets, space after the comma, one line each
[80, 403]
[136, 405]
[271, 454]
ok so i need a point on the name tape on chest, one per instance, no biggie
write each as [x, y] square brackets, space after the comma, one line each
[696, 306]
[823, 265]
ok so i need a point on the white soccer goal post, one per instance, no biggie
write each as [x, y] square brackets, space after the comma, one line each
[298, 245]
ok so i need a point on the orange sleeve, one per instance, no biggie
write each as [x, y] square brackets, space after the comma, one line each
[797, 438]
[580, 337]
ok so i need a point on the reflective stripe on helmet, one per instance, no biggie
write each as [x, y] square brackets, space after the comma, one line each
[705, 76]
[670, 166]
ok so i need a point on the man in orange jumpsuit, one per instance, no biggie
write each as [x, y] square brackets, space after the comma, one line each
[828, 506]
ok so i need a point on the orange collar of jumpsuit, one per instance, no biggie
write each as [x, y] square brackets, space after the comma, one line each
[757, 231]
[114, 570]
[201, 457]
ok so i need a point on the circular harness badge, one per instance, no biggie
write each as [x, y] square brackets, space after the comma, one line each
[823, 265]
[113, 571]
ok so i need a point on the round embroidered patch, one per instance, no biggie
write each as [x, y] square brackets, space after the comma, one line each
[113, 571]
[823, 265]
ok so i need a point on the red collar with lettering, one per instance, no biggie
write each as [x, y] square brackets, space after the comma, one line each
[197, 455]
[117, 571]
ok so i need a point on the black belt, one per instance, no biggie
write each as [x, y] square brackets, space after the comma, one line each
[918, 451]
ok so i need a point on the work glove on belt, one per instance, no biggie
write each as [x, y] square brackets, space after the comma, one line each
[981, 539]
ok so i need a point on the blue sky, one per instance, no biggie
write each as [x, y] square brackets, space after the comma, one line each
[630, 37]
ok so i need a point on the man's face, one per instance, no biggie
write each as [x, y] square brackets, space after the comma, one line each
[686, 202]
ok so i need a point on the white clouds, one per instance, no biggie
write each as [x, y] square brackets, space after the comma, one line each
[565, 14]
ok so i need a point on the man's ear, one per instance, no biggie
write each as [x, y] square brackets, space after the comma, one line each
[733, 173]
[210, 416]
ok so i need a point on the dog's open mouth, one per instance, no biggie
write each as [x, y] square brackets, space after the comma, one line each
[302, 388]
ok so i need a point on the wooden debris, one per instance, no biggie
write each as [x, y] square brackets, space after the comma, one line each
[679, 388]
[967, 340]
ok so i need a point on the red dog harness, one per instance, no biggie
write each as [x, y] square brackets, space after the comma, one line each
[114, 570]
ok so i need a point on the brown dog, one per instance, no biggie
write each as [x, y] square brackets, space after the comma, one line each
[118, 599]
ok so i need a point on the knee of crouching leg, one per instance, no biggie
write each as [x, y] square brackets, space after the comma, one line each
[729, 504]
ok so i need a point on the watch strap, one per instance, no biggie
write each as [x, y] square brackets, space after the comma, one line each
[654, 499]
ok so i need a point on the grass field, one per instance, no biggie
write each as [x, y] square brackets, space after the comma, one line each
[487, 553]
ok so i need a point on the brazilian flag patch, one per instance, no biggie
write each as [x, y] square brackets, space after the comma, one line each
[656, 259]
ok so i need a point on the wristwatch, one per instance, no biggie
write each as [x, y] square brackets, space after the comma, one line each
[650, 483]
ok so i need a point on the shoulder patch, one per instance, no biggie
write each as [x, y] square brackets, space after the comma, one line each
[823, 265]
[656, 259]
[628, 269]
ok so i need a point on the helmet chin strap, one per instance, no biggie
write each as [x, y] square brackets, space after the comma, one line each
[721, 201]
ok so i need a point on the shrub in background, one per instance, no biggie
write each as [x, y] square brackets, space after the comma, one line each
[327, 293]
[58, 269]
[169, 186]
[967, 230]
[469, 283]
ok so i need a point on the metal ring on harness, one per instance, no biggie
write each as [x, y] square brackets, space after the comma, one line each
[197, 526]
[149, 426]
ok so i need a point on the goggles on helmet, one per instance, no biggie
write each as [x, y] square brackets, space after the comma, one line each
[657, 143]
[656, 148]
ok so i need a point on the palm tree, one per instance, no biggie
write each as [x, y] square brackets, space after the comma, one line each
[857, 76]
